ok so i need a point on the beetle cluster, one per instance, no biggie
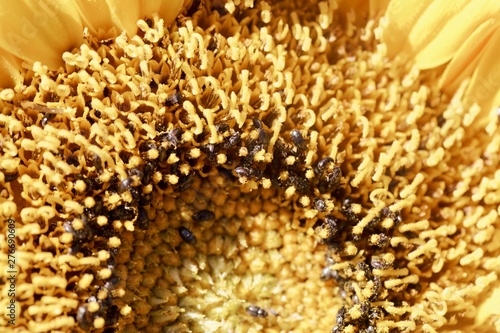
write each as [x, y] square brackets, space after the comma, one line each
[170, 161]
[358, 295]
[367, 317]
[360, 282]
[103, 308]
[264, 97]
[168, 154]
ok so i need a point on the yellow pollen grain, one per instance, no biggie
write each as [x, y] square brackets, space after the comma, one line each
[114, 242]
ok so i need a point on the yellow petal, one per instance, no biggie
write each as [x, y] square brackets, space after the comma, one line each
[124, 14]
[378, 7]
[363, 9]
[96, 16]
[169, 10]
[103, 17]
[10, 70]
[484, 87]
[402, 16]
[432, 31]
[453, 22]
[39, 30]
[467, 56]
[489, 307]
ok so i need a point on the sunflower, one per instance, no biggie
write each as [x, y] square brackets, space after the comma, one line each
[243, 166]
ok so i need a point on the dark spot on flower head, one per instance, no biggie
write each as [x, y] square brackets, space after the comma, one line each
[366, 269]
[379, 240]
[203, 215]
[187, 236]
[97, 163]
[162, 154]
[111, 316]
[376, 290]
[185, 181]
[125, 156]
[142, 219]
[125, 185]
[98, 206]
[327, 273]
[112, 282]
[222, 128]
[149, 22]
[257, 123]
[340, 318]
[123, 213]
[299, 182]
[212, 44]
[8, 177]
[374, 314]
[47, 118]
[145, 199]
[163, 185]
[242, 171]
[263, 138]
[232, 140]
[171, 137]
[174, 98]
[330, 229]
[330, 180]
[72, 160]
[84, 317]
[322, 164]
[195, 5]
[394, 216]
[211, 151]
[135, 172]
[297, 139]
[320, 204]
[441, 120]
[147, 172]
[81, 235]
[377, 262]
[256, 311]
[146, 147]
[218, 6]
[346, 210]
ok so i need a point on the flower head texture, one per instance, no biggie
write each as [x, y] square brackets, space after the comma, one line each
[248, 166]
